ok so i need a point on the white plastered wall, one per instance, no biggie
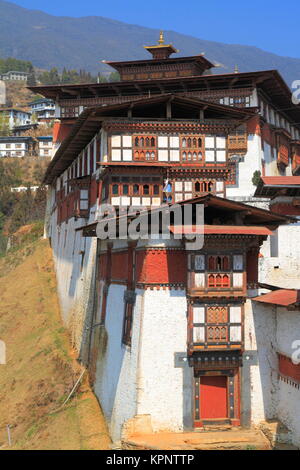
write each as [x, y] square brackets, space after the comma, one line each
[245, 169]
[116, 376]
[164, 390]
[260, 380]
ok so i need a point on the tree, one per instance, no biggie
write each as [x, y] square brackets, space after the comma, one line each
[101, 78]
[4, 125]
[114, 77]
[256, 178]
[31, 81]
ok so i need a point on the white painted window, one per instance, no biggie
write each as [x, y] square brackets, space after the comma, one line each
[163, 155]
[198, 334]
[199, 279]
[127, 155]
[174, 142]
[174, 155]
[127, 141]
[162, 141]
[235, 314]
[236, 334]
[116, 155]
[237, 279]
[116, 141]
[198, 314]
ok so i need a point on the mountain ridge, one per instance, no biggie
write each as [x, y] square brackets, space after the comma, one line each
[79, 43]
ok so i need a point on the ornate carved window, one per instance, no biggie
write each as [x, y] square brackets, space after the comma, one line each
[212, 325]
[136, 191]
[238, 141]
[144, 148]
[216, 272]
[192, 149]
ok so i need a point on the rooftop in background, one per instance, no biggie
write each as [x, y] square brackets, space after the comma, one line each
[16, 139]
[271, 186]
[289, 298]
[45, 137]
[40, 101]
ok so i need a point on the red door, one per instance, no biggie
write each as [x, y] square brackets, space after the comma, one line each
[213, 397]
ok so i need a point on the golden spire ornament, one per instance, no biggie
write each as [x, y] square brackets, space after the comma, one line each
[161, 40]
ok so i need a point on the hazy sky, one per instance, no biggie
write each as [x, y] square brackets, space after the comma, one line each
[270, 25]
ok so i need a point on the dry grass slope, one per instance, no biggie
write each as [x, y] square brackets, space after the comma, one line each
[41, 368]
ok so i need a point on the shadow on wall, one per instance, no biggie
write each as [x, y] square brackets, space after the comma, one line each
[76, 276]
[259, 382]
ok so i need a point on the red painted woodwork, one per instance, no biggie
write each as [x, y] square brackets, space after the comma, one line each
[253, 126]
[93, 191]
[102, 266]
[286, 209]
[252, 266]
[288, 369]
[67, 206]
[161, 266]
[92, 169]
[119, 266]
[60, 131]
[221, 281]
[268, 135]
[213, 397]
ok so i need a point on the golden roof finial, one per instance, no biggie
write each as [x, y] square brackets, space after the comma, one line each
[161, 40]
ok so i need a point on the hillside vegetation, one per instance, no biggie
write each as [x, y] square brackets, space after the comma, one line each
[41, 368]
[17, 209]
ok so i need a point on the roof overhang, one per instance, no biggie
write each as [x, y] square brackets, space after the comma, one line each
[272, 186]
[220, 230]
[281, 297]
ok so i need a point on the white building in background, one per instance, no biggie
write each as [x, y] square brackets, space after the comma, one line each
[45, 146]
[44, 109]
[15, 76]
[16, 146]
[16, 117]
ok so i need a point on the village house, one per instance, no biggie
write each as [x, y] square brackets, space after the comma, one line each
[14, 75]
[43, 109]
[176, 337]
[16, 117]
[17, 146]
[45, 146]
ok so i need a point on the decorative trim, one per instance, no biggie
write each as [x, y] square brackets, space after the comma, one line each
[289, 381]
[167, 286]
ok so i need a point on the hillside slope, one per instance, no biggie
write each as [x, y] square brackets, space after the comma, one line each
[50, 41]
[41, 368]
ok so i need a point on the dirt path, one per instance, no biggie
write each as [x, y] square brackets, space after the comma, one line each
[41, 368]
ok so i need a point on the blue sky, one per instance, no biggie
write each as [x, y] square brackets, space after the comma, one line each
[270, 25]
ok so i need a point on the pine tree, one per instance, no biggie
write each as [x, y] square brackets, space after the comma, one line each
[4, 125]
